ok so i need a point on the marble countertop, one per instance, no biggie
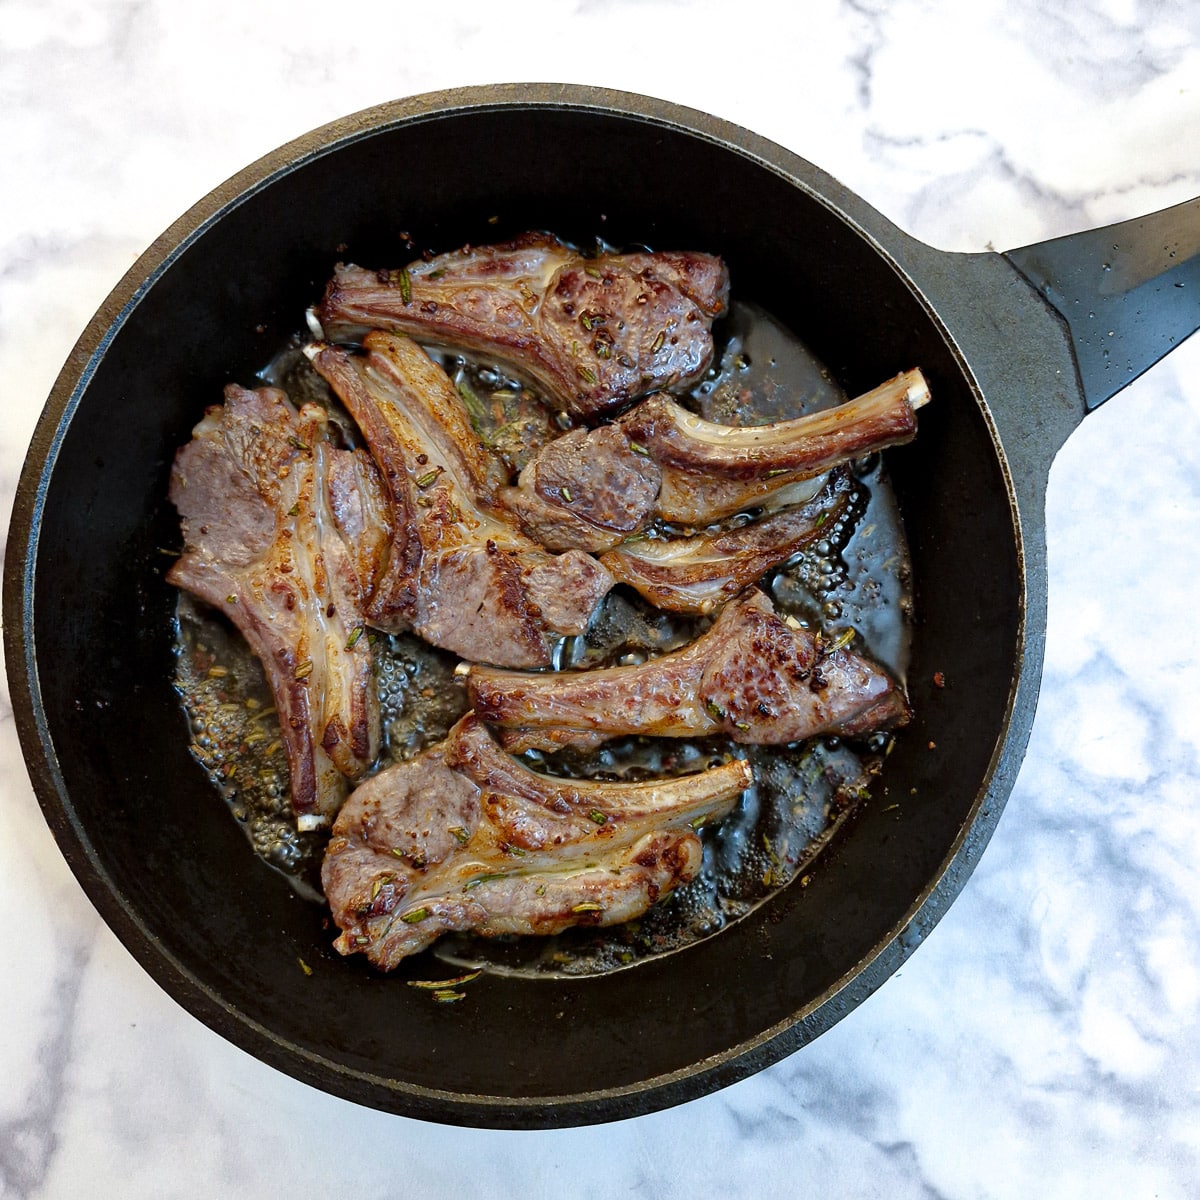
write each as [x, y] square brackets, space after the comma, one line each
[1045, 1040]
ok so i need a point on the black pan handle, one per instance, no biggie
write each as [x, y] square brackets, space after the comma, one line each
[1129, 293]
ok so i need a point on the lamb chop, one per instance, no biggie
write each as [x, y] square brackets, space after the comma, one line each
[464, 837]
[711, 471]
[596, 489]
[458, 571]
[753, 676]
[698, 574]
[592, 333]
[270, 508]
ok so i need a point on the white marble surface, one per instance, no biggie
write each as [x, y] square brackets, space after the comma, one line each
[1045, 1041]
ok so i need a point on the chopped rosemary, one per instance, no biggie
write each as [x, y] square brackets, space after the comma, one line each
[566, 494]
[597, 817]
[448, 997]
[405, 281]
[843, 639]
[487, 878]
[297, 444]
[442, 985]
[304, 966]
[657, 344]
[305, 669]
[460, 834]
[587, 906]
[638, 448]
[594, 272]
[475, 407]
[414, 915]
[423, 481]
[352, 640]
[714, 710]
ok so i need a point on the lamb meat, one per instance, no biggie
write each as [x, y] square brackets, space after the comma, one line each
[464, 837]
[698, 574]
[458, 571]
[589, 489]
[270, 507]
[752, 676]
[593, 490]
[592, 333]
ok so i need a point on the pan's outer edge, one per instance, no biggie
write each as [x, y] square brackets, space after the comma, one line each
[502, 1112]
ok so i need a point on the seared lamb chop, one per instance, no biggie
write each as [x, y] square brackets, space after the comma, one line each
[595, 489]
[698, 574]
[592, 333]
[270, 510]
[458, 571]
[712, 471]
[752, 676]
[463, 837]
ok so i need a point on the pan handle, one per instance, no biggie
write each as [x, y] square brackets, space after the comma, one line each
[1129, 292]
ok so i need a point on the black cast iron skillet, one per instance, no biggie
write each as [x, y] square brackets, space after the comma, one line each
[1007, 345]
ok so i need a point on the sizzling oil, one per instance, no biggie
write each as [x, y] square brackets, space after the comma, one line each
[856, 578]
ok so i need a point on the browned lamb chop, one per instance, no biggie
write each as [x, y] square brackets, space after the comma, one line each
[458, 571]
[593, 489]
[753, 676]
[463, 837]
[711, 471]
[698, 574]
[271, 513]
[592, 333]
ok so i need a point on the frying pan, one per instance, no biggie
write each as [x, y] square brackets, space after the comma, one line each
[1017, 348]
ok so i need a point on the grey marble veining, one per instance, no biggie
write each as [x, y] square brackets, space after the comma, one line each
[1045, 1040]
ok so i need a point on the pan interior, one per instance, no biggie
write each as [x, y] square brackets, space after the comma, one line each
[147, 834]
